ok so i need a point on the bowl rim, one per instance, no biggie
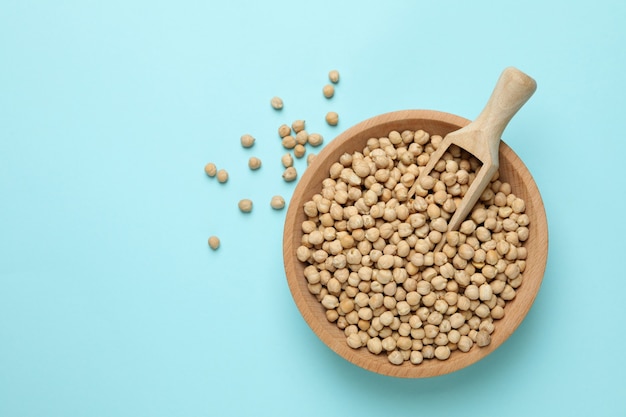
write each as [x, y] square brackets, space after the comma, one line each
[323, 329]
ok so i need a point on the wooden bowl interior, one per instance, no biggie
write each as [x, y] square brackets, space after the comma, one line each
[512, 170]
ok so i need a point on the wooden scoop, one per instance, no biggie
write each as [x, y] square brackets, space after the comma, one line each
[481, 138]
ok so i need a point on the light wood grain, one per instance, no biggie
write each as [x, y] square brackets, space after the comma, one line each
[512, 170]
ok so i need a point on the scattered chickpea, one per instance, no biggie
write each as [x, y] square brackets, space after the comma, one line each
[222, 176]
[277, 103]
[328, 91]
[332, 118]
[298, 126]
[289, 142]
[290, 174]
[214, 242]
[284, 130]
[247, 140]
[277, 202]
[302, 137]
[210, 169]
[245, 205]
[299, 151]
[287, 160]
[309, 158]
[333, 76]
[254, 163]
[315, 139]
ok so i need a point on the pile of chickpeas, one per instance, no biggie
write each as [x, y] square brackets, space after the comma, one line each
[369, 249]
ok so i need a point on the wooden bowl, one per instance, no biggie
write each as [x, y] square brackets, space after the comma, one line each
[512, 170]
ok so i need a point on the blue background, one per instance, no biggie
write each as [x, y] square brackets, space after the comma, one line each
[111, 302]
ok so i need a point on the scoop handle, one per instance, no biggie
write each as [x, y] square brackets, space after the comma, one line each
[512, 90]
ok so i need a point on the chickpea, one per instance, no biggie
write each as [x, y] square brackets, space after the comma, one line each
[290, 174]
[287, 160]
[210, 169]
[277, 203]
[315, 139]
[298, 126]
[332, 118]
[328, 91]
[483, 338]
[222, 176]
[375, 345]
[465, 343]
[289, 142]
[299, 151]
[442, 352]
[333, 76]
[254, 163]
[330, 301]
[277, 103]
[245, 205]
[302, 137]
[284, 130]
[214, 242]
[247, 141]
[395, 357]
